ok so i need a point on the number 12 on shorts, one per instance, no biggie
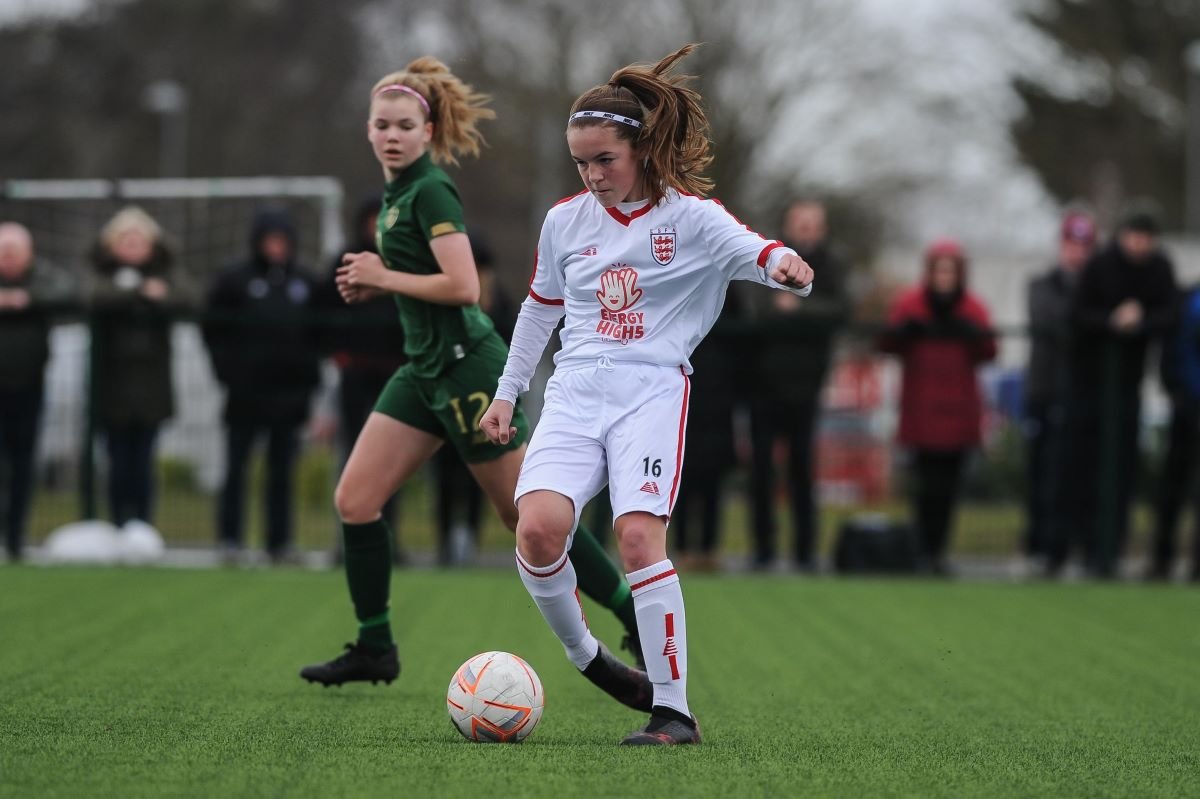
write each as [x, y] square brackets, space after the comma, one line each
[481, 402]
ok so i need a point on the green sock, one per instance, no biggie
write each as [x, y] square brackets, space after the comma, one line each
[600, 579]
[368, 556]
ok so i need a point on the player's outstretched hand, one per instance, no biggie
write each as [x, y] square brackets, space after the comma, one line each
[792, 271]
[496, 424]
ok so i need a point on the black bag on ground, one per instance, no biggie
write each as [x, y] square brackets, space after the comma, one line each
[875, 545]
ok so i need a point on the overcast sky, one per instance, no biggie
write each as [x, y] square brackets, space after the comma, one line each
[11, 10]
[965, 178]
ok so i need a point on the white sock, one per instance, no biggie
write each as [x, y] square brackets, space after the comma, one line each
[658, 603]
[554, 590]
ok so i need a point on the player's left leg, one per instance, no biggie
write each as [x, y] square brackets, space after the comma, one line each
[642, 538]
[645, 460]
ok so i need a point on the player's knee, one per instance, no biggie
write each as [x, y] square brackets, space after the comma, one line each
[540, 541]
[352, 507]
[636, 553]
[641, 544]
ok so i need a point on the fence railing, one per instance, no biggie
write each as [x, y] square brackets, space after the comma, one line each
[858, 467]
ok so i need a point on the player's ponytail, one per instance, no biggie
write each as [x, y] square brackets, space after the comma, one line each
[454, 107]
[672, 134]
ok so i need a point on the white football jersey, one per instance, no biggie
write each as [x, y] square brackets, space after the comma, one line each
[644, 283]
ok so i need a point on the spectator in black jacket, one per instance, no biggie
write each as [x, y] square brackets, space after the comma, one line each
[260, 338]
[30, 290]
[1126, 300]
[136, 290]
[786, 402]
[1049, 296]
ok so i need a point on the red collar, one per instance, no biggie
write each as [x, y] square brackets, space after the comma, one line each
[624, 218]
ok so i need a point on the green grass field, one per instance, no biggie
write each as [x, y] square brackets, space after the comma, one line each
[129, 682]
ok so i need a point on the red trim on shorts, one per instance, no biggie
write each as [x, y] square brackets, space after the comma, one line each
[766, 251]
[651, 580]
[687, 384]
[625, 219]
[540, 575]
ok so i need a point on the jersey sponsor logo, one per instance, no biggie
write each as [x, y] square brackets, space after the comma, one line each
[618, 288]
[393, 214]
[617, 294]
[650, 487]
[662, 245]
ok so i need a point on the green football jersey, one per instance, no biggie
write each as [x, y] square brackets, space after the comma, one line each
[419, 205]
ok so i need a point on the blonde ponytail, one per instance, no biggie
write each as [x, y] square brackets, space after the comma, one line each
[454, 107]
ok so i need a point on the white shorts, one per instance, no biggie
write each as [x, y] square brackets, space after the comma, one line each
[616, 423]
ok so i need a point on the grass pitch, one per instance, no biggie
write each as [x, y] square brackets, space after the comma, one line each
[129, 682]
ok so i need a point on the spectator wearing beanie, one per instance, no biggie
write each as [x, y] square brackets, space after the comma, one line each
[1049, 297]
[1126, 301]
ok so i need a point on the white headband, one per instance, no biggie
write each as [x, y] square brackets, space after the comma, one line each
[604, 115]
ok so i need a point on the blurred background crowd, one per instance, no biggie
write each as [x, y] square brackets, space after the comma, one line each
[1000, 359]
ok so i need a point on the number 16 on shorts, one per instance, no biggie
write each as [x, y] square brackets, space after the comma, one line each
[646, 449]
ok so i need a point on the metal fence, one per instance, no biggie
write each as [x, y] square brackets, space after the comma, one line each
[858, 468]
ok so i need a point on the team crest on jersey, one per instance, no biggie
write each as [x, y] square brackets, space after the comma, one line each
[618, 293]
[392, 215]
[662, 244]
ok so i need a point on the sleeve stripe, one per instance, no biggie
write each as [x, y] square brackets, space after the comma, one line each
[532, 277]
[766, 252]
[443, 229]
[542, 299]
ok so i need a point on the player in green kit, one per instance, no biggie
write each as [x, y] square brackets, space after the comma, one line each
[419, 117]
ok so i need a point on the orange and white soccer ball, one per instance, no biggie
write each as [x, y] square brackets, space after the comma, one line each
[495, 697]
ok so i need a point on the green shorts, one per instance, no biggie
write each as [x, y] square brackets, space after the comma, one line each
[450, 405]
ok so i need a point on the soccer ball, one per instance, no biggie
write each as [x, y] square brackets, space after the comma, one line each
[495, 697]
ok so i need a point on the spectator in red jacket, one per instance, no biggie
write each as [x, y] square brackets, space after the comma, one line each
[941, 333]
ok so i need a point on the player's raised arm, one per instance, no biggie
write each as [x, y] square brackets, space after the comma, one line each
[743, 254]
[792, 272]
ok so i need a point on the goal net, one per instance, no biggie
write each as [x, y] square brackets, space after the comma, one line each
[208, 223]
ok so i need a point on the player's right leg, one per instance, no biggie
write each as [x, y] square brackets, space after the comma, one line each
[543, 538]
[598, 577]
[496, 469]
[385, 455]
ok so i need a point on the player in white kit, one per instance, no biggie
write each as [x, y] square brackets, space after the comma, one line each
[639, 263]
